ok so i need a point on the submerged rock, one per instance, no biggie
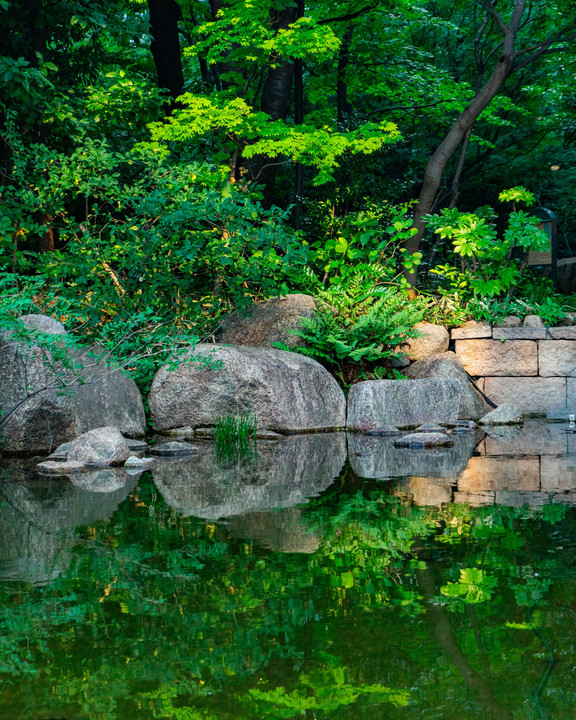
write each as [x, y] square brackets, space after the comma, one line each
[385, 431]
[373, 457]
[431, 428]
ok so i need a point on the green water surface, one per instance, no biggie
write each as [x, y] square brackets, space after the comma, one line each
[355, 605]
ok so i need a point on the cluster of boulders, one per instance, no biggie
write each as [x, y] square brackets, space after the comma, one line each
[44, 402]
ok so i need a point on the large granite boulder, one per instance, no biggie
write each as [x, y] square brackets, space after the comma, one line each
[268, 322]
[283, 390]
[471, 403]
[51, 394]
[403, 403]
[432, 339]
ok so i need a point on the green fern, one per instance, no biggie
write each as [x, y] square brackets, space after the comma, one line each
[359, 328]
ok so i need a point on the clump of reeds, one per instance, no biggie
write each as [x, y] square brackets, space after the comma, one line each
[236, 434]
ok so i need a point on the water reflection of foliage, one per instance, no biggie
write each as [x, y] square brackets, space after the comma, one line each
[162, 616]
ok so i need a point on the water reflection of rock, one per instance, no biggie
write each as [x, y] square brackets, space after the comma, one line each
[376, 457]
[283, 474]
[38, 515]
[282, 530]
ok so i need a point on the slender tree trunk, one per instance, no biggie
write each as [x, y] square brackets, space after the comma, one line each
[165, 45]
[466, 119]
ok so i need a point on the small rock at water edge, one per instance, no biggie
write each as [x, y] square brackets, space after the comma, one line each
[417, 441]
[136, 462]
[171, 449]
[503, 415]
[431, 428]
[384, 431]
[99, 447]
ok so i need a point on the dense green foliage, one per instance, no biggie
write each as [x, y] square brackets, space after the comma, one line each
[164, 162]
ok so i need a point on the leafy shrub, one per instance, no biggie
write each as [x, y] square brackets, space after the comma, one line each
[360, 327]
[488, 264]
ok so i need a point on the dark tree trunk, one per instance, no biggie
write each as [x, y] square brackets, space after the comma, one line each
[275, 103]
[342, 88]
[298, 119]
[165, 45]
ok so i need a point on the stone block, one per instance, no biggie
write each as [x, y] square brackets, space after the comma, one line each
[425, 491]
[528, 394]
[558, 474]
[521, 498]
[519, 333]
[483, 474]
[433, 339]
[475, 499]
[495, 358]
[571, 395]
[472, 330]
[557, 358]
[563, 333]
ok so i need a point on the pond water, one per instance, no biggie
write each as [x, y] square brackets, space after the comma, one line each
[327, 577]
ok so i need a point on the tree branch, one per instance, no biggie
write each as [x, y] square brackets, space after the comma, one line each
[349, 16]
[491, 10]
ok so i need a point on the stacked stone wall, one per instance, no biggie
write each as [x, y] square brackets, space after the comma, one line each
[533, 368]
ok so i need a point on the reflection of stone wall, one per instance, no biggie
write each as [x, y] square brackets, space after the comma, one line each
[279, 530]
[38, 516]
[284, 474]
[533, 368]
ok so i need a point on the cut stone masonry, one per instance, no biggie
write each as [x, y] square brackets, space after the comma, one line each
[533, 368]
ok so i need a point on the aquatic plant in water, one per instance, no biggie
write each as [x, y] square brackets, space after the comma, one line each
[236, 434]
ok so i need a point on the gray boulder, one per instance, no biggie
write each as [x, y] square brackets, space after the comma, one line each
[43, 324]
[403, 403]
[101, 446]
[471, 404]
[503, 415]
[49, 395]
[268, 322]
[283, 390]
